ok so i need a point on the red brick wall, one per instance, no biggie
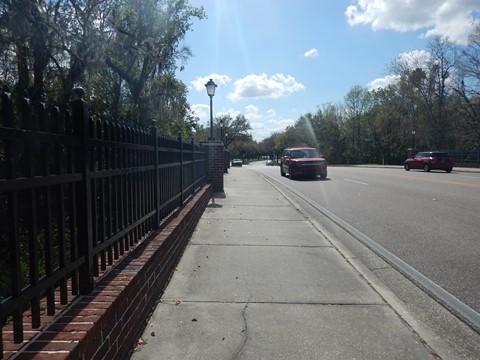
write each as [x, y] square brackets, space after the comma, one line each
[107, 323]
[215, 164]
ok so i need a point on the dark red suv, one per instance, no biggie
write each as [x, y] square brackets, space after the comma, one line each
[430, 160]
[303, 161]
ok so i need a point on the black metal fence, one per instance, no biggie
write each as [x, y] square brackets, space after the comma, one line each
[465, 156]
[75, 195]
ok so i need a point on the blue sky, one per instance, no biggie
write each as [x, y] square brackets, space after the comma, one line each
[274, 60]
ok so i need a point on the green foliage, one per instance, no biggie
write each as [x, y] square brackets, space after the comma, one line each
[123, 53]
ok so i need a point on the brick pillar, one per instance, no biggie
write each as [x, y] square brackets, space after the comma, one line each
[215, 163]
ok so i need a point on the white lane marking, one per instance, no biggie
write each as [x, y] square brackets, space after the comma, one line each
[357, 182]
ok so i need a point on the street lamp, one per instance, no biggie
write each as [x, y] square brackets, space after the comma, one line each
[210, 85]
[413, 137]
[221, 131]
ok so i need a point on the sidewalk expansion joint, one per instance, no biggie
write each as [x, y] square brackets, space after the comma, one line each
[248, 302]
[210, 219]
[263, 245]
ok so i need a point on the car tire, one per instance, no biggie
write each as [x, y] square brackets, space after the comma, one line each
[290, 172]
[426, 167]
[407, 167]
[282, 173]
[448, 171]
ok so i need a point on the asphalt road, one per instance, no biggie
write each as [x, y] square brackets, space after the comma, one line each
[429, 220]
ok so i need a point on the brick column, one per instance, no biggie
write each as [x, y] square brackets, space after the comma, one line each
[215, 164]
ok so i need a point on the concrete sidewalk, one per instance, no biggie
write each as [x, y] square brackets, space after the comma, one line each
[259, 281]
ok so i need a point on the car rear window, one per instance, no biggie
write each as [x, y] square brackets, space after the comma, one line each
[431, 154]
[304, 153]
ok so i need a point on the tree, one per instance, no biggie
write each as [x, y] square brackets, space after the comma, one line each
[357, 105]
[268, 146]
[54, 42]
[425, 86]
[23, 29]
[51, 46]
[328, 132]
[391, 128]
[467, 88]
[444, 60]
[237, 129]
[147, 44]
[166, 101]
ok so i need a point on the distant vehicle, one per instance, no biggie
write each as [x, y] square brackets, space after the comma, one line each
[302, 162]
[429, 160]
[270, 163]
[237, 162]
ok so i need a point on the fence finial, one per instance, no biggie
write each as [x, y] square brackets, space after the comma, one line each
[79, 92]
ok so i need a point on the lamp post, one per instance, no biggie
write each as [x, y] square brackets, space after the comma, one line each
[221, 131]
[413, 137]
[210, 85]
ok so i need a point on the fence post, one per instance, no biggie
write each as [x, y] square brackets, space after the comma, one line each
[215, 162]
[180, 145]
[193, 165]
[156, 184]
[83, 191]
[13, 220]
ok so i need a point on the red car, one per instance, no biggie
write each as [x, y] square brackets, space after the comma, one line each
[430, 160]
[303, 161]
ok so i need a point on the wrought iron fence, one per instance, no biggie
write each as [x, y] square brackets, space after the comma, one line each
[75, 195]
[465, 156]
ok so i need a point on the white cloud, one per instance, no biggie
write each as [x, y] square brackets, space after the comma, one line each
[271, 112]
[201, 110]
[251, 109]
[252, 113]
[279, 125]
[262, 87]
[415, 59]
[452, 18]
[263, 122]
[383, 82]
[220, 80]
[409, 61]
[265, 128]
[312, 53]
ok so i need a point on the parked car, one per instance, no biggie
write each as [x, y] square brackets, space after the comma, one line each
[303, 161]
[237, 162]
[270, 163]
[430, 160]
